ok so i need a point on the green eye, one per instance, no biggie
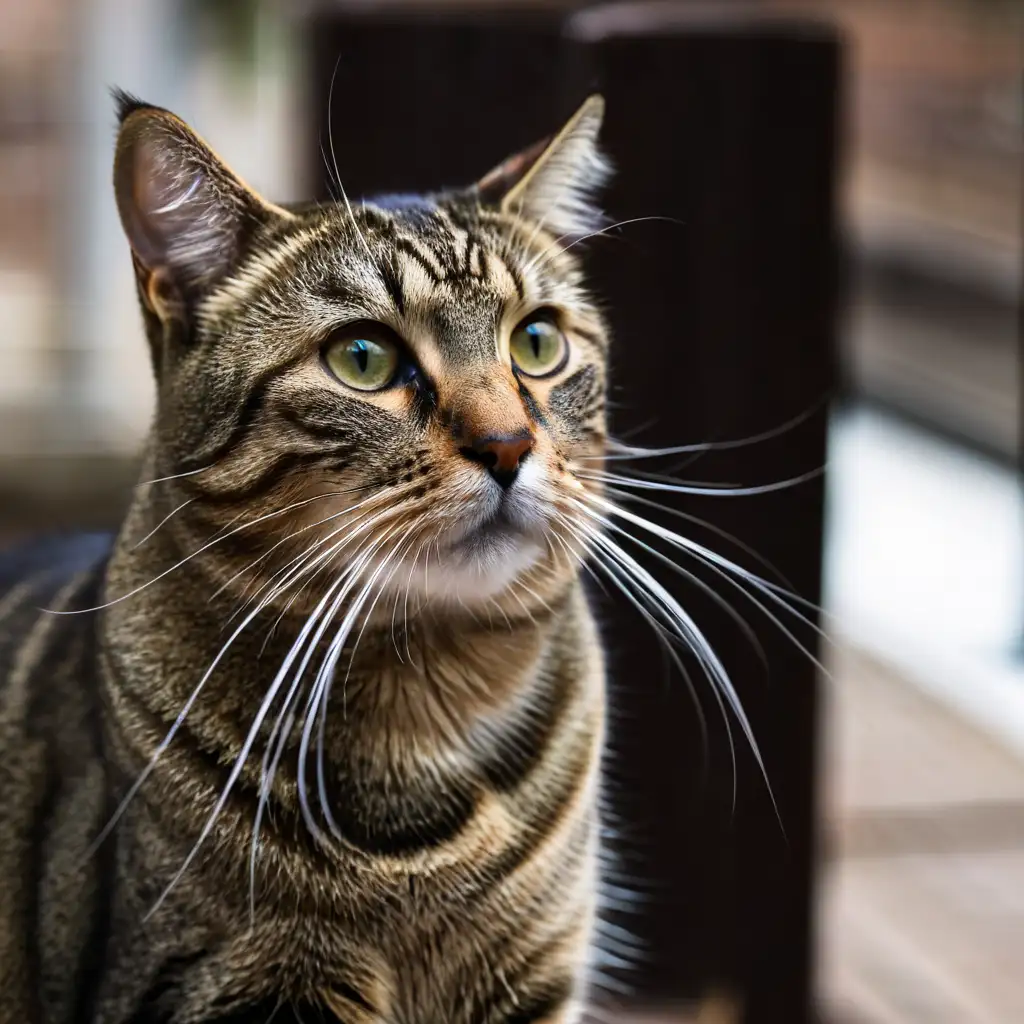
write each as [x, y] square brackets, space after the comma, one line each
[538, 347]
[363, 357]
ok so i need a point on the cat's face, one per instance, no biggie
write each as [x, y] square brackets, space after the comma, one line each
[400, 388]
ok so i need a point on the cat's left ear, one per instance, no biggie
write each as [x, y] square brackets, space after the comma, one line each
[187, 215]
[554, 182]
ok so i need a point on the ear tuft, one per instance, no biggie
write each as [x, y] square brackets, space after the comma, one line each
[127, 104]
[555, 182]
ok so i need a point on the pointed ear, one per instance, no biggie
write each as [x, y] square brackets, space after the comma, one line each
[186, 214]
[554, 181]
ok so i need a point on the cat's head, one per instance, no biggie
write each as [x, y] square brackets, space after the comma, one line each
[400, 387]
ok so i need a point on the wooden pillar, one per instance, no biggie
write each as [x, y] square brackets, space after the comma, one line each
[724, 317]
[428, 98]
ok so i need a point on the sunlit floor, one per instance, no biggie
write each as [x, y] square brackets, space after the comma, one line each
[925, 564]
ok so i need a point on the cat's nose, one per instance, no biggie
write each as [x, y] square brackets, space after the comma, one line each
[500, 454]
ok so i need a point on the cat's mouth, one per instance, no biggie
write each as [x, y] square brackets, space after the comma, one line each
[497, 538]
[501, 528]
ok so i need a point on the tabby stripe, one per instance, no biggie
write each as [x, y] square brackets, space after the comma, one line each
[424, 400]
[393, 283]
[13, 600]
[575, 395]
[263, 267]
[465, 264]
[513, 273]
[434, 271]
[156, 725]
[533, 409]
[432, 817]
[599, 341]
[246, 414]
[483, 265]
[316, 428]
[561, 796]
[280, 466]
[518, 752]
[342, 997]
[155, 1005]
[461, 221]
[45, 808]
[35, 658]
[541, 1006]
[204, 760]
[90, 967]
[31, 657]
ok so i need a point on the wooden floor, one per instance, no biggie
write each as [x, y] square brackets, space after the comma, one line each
[922, 911]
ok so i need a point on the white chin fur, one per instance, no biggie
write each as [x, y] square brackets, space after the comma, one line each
[467, 570]
[473, 576]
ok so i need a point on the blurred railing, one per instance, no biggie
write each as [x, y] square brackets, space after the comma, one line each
[934, 210]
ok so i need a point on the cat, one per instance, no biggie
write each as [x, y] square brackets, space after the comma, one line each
[318, 735]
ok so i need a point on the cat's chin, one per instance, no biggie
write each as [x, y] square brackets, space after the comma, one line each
[473, 570]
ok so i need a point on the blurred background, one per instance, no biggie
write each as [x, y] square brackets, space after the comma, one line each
[918, 754]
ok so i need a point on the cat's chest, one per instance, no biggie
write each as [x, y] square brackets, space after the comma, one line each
[386, 968]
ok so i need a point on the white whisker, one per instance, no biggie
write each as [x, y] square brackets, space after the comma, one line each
[175, 476]
[718, 491]
[717, 530]
[170, 515]
[629, 452]
[183, 561]
[250, 739]
[334, 161]
[185, 709]
[649, 610]
[769, 589]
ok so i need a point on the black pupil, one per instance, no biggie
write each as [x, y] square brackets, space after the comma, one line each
[535, 333]
[361, 353]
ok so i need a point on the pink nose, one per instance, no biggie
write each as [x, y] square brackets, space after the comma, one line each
[500, 454]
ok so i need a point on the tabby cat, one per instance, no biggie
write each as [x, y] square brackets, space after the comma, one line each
[318, 736]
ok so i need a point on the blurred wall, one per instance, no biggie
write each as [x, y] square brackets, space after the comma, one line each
[77, 377]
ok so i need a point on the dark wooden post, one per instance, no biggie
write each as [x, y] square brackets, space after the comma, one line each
[724, 323]
[428, 98]
[724, 328]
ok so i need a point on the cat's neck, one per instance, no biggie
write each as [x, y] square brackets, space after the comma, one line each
[191, 634]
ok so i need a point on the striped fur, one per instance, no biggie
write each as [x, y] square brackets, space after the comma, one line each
[451, 876]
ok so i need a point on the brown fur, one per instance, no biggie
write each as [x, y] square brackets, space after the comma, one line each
[454, 876]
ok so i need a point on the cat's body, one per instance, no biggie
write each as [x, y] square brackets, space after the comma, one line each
[462, 899]
[346, 620]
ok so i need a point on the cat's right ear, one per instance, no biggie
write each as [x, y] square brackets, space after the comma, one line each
[187, 215]
[553, 182]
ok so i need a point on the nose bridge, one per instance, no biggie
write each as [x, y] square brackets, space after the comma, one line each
[491, 428]
[488, 407]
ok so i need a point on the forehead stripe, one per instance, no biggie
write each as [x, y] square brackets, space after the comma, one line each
[393, 283]
[426, 260]
[513, 273]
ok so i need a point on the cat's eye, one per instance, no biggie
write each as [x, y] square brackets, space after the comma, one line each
[363, 356]
[538, 347]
